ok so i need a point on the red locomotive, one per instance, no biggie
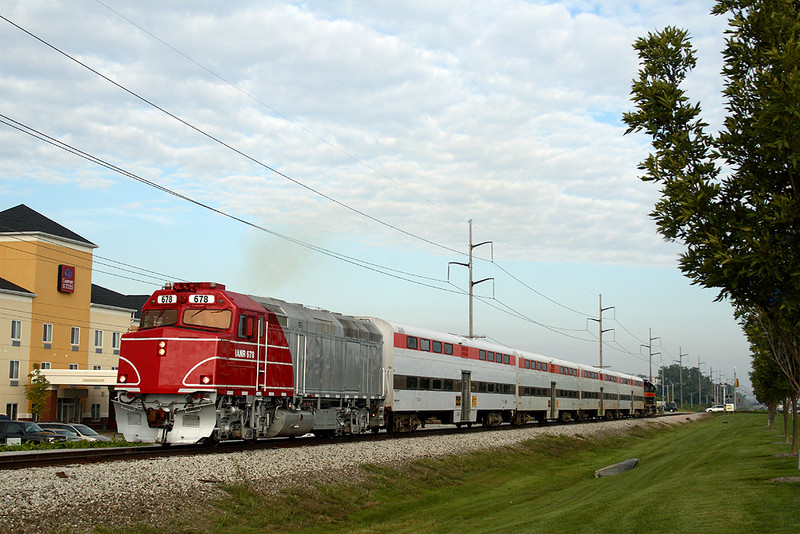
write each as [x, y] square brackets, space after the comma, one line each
[210, 364]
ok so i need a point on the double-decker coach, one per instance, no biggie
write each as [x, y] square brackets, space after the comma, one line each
[458, 380]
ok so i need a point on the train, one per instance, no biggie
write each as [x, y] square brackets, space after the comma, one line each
[208, 364]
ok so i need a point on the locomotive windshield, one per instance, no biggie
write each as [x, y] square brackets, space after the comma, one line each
[205, 318]
[159, 317]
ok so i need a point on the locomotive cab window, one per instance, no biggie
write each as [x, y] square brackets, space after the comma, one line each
[206, 318]
[158, 317]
